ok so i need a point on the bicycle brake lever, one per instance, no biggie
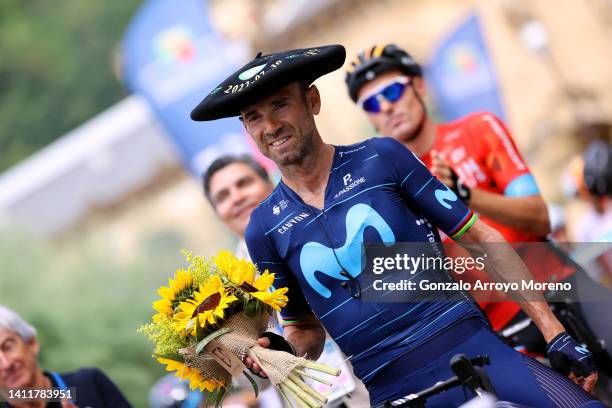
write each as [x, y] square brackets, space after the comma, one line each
[481, 361]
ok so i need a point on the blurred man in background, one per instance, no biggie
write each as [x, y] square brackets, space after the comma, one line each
[592, 173]
[234, 186]
[19, 368]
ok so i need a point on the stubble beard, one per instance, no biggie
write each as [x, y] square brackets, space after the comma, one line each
[409, 136]
[302, 151]
[412, 134]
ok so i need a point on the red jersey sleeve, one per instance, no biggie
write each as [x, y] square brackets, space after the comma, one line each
[502, 159]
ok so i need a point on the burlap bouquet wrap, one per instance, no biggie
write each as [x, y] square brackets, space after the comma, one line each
[242, 342]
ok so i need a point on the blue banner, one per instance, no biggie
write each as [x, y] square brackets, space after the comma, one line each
[461, 74]
[172, 56]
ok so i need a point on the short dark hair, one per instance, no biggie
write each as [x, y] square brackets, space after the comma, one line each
[225, 161]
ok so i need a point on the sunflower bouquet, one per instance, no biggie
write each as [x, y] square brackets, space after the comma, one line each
[208, 320]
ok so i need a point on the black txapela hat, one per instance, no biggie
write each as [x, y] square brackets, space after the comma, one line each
[265, 75]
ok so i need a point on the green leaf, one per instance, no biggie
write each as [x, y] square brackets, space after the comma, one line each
[220, 397]
[171, 356]
[253, 383]
[251, 309]
[211, 397]
[202, 344]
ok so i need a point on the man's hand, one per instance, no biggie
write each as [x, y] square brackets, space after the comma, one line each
[252, 365]
[572, 359]
[441, 169]
[273, 341]
[444, 172]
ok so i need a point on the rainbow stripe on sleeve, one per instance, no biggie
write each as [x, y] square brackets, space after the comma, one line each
[294, 321]
[463, 225]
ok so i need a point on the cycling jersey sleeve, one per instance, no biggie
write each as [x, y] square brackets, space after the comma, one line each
[424, 192]
[264, 256]
[501, 157]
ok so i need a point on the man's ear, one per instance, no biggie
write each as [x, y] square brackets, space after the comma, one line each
[313, 98]
[33, 345]
[419, 86]
[241, 118]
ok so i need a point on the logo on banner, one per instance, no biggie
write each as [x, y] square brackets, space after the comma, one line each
[464, 59]
[175, 45]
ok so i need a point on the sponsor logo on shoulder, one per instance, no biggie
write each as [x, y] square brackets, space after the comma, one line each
[351, 151]
[281, 205]
[291, 222]
[349, 184]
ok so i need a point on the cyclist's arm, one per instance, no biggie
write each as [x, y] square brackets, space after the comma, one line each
[437, 202]
[504, 265]
[300, 327]
[441, 206]
[307, 337]
[524, 213]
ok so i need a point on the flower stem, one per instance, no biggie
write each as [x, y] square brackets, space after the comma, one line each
[293, 395]
[283, 392]
[314, 377]
[307, 389]
[322, 368]
[302, 394]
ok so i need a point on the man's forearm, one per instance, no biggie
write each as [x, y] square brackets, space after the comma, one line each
[523, 213]
[504, 265]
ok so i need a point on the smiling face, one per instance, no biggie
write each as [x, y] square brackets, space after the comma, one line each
[235, 191]
[282, 124]
[400, 119]
[18, 360]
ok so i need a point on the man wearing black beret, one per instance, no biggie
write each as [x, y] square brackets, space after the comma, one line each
[330, 201]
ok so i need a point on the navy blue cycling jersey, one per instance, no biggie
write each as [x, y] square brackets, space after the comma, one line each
[378, 191]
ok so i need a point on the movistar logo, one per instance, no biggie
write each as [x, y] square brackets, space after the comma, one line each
[251, 72]
[315, 257]
[443, 196]
[581, 349]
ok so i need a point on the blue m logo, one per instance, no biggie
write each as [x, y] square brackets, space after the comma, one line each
[443, 196]
[316, 257]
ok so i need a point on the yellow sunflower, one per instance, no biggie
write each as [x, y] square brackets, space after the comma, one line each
[237, 270]
[165, 306]
[261, 289]
[206, 307]
[192, 375]
[276, 299]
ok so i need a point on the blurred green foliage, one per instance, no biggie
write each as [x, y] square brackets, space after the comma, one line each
[56, 72]
[87, 306]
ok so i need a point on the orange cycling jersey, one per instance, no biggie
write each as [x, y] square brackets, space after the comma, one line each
[481, 151]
